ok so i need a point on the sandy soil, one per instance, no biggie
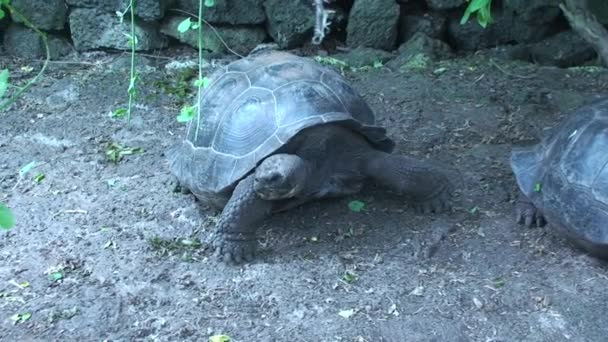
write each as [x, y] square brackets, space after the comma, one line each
[110, 251]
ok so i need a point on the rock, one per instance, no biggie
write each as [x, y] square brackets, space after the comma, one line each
[599, 8]
[421, 49]
[565, 49]
[44, 14]
[516, 21]
[234, 12]
[242, 39]
[363, 57]
[92, 29]
[373, 23]
[4, 23]
[421, 43]
[445, 4]
[24, 42]
[148, 10]
[532, 11]
[432, 24]
[65, 93]
[289, 30]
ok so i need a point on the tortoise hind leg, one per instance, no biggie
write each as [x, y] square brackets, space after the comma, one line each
[425, 183]
[234, 239]
[527, 213]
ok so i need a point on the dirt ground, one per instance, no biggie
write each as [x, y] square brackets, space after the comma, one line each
[109, 251]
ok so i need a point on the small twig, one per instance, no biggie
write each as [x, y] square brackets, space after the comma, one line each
[212, 28]
[75, 211]
[508, 73]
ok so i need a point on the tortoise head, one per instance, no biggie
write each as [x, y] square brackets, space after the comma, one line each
[280, 176]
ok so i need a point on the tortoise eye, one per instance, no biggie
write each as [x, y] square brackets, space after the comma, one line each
[275, 177]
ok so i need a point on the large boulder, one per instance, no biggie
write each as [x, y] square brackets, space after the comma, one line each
[148, 10]
[362, 57]
[44, 14]
[420, 49]
[92, 29]
[445, 4]
[519, 21]
[233, 12]
[373, 23]
[432, 24]
[290, 23]
[21, 41]
[565, 49]
[241, 39]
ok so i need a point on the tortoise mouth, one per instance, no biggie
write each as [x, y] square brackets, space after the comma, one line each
[275, 192]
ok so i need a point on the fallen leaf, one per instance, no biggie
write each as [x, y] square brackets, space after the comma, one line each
[347, 313]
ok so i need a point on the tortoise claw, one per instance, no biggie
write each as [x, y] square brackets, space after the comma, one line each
[528, 215]
[439, 203]
[234, 248]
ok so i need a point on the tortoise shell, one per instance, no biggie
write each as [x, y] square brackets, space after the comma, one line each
[253, 107]
[566, 175]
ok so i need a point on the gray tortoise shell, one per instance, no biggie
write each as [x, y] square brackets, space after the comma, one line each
[571, 166]
[254, 106]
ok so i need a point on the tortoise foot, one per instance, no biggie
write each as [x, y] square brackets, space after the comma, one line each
[234, 248]
[528, 214]
[437, 204]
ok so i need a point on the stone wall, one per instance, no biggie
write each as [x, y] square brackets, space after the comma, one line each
[527, 29]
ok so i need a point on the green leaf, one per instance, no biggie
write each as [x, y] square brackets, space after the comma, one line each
[483, 7]
[118, 113]
[3, 80]
[20, 318]
[7, 219]
[349, 277]
[1, 14]
[39, 177]
[498, 283]
[356, 206]
[186, 114]
[219, 338]
[203, 82]
[538, 187]
[27, 168]
[209, 3]
[184, 25]
[55, 276]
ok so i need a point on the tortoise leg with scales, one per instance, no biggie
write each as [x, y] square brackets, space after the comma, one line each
[279, 130]
[563, 180]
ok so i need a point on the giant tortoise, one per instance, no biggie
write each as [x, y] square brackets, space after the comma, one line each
[563, 180]
[278, 130]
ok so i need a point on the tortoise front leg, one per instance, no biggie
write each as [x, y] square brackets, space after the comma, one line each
[427, 184]
[234, 238]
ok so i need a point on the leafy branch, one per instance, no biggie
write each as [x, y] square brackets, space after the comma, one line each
[482, 10]
[187, 113]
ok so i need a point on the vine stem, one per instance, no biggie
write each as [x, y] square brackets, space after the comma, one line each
[131, 88]
[46, 62]
[200, 67]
